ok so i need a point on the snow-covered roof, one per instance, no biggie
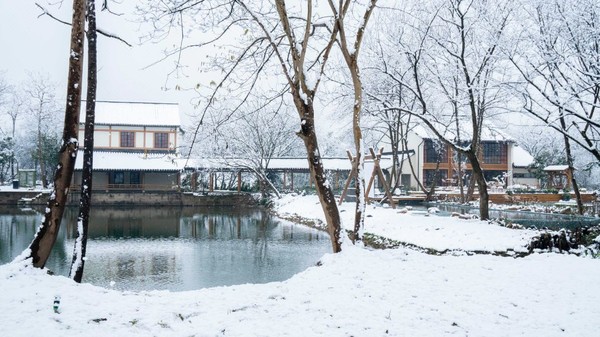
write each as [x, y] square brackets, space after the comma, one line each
[134, 113]
[556, 168]
[520, 157]
[488, 133]
[140, 161]
[341, 164]
[130, 161]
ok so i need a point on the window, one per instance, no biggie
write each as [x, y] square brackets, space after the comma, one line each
[134, 178]
[494, 175]
[523, 175]
[430, 175]
[116, 178]
[435, 152]
[127, 139]
[161, 140]
[494, 153]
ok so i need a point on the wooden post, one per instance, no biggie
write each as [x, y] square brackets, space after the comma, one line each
[194, 181]
[210, 182]
[284, 180]
[239, 181]
[377, 171]
[292, 179]
[350, 176]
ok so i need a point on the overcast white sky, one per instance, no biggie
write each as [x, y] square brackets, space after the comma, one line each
[41, 45]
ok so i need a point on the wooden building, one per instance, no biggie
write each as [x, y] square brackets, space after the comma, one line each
[134, 146]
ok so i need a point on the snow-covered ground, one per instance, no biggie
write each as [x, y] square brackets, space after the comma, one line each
[359, 292]
[422, 229]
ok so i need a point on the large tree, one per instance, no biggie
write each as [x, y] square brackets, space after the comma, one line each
[40, 247]
[451, 49]
[85, 200]
[252, 138]
[558, 59]
[277, 44]
[42, 108]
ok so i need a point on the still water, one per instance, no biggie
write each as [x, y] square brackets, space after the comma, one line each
[173, 248]
[526, 218]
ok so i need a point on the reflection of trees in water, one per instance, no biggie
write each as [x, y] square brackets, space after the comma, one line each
[17, 228]
[211, 246]
[261, 242]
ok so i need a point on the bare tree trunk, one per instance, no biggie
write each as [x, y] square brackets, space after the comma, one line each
[41, 160]
[44, 239]
[359, 216]
[563, 125]
[315, 163]
[484, 211]
[85, 200]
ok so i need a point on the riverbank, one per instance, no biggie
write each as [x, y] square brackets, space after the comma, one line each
[359, 292]
[23, 196]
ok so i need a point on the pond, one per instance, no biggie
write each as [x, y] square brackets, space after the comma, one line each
[173, 248]
[526, 218]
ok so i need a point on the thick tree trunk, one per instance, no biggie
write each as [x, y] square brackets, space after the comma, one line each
[484, 211]
[44, 239]
[85, 200]
[315, 163]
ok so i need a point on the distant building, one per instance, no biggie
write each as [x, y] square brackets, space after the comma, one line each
[500, 158]
[521, 174]
[135, 146]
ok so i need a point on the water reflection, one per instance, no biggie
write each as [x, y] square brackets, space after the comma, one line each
[175, 248]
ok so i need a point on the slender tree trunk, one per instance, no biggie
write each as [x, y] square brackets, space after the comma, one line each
[41, 160]
[85, 200]
[563, 125]
[44, 239]
[12, 157]
[359, 216]
[484, 211]
[315, 163]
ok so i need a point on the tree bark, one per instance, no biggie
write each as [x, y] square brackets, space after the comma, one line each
[315, 163]
[563, 125]
[484, 210]
[83, 219]
[40, 247]
[359, 216]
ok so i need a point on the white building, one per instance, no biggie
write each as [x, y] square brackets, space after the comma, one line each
[135, 146]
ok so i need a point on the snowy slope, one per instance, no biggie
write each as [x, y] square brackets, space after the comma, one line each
[356, 293]
[431, 231]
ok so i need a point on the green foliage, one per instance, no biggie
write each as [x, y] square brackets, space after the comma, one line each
[7, 155]
[545, 158]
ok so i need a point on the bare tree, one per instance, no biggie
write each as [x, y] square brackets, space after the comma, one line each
[42, 108]
[15, 109]
[40, 247]
[295, 41]
[350, 49]
[558, 63]
[83, 219]
[254, 137]
[456, 75]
